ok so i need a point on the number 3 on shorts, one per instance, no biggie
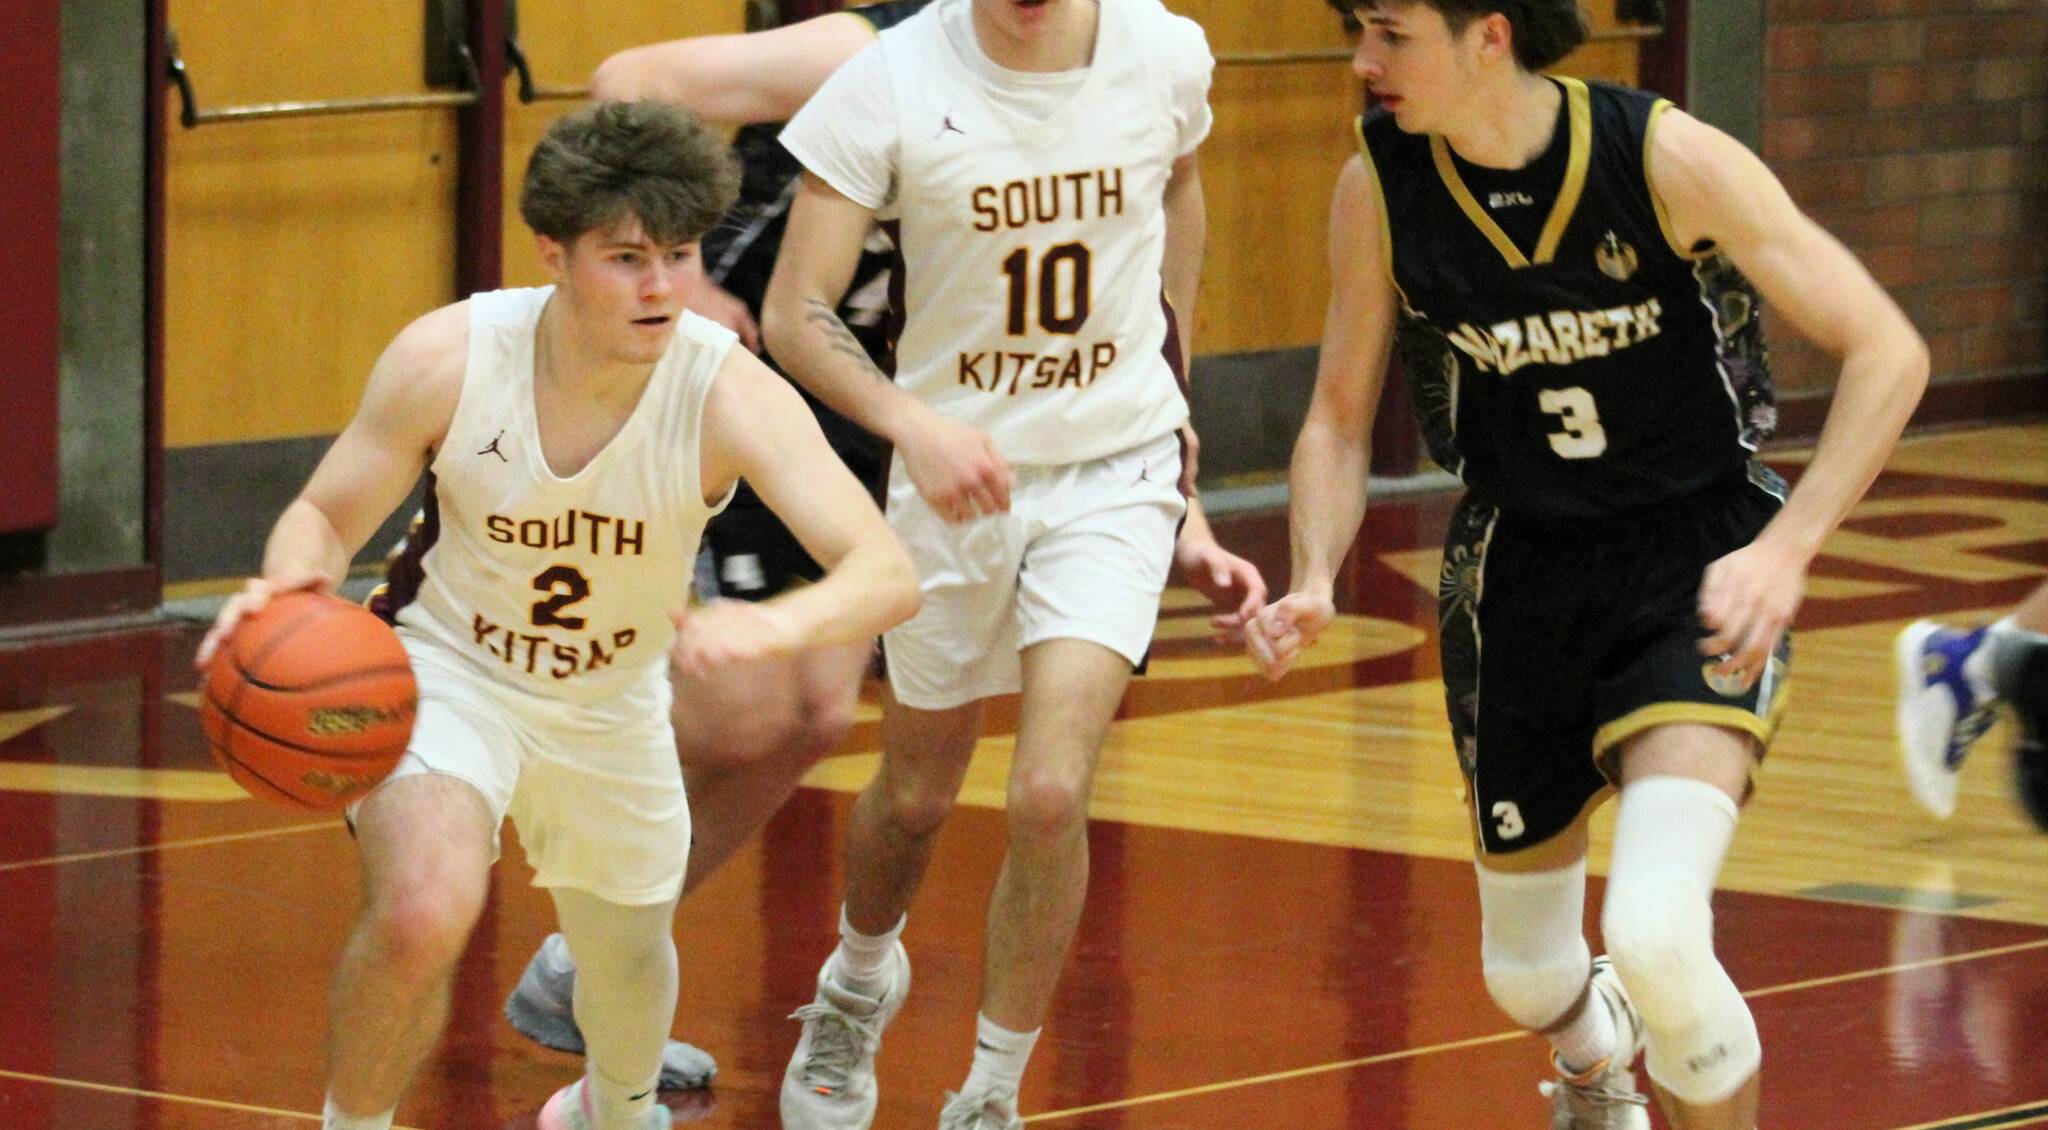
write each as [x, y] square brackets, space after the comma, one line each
[1582, 437]
[1510, 817]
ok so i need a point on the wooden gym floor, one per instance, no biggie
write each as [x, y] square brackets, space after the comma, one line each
[1282, 930]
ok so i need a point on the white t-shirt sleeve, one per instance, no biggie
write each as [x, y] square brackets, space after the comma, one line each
[1192, 67]
[847, 132]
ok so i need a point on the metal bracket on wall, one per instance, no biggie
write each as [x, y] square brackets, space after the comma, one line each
[191, 116]
[530, 91]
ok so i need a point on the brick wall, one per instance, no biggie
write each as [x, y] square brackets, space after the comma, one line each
[1917, 132]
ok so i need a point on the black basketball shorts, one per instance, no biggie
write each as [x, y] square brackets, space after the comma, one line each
[1562, 639]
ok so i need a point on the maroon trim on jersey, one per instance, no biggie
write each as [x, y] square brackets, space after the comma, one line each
[408, 571]
[893, 329]
[1171, 347]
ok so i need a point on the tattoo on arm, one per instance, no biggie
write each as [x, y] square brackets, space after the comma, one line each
[842, 340]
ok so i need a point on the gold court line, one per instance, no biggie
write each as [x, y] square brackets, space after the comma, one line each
[1964, 1119]
[1501, 1037]
[144, 849]
[192, 1100]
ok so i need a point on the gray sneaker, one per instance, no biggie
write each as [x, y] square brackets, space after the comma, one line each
[987, 1110]
[1604, 1097]
[830, 1082]
[541, 1009]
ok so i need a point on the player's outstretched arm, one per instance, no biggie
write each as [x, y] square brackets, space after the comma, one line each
[763, 76]
[955, 467]
[756, 428]
[1714, 190]
[1332, 457]
[403, 415]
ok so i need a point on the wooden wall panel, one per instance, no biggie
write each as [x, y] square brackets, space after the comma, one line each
[564, 45]
[296, 248]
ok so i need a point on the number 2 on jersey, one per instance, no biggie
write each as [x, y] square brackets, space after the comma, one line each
[1582, 437]
[1057, 313]
[566, 585]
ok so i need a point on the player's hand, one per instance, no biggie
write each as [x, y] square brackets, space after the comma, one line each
[251, 600]
[708, 299]
[1190, 459]
[1747, 601]
[957, 469]
[1284, 629]
[726, 632]
[1230, 582]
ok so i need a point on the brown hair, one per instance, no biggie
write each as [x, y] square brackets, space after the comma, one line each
[614, 160]
[1544, 30]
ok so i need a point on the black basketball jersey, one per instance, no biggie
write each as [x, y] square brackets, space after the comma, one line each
[1567, 358]
[739, 254]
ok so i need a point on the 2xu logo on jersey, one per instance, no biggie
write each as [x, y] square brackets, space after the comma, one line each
[564, 586]
[1058, 282]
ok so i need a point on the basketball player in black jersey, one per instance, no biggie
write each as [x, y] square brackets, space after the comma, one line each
[1572, 274]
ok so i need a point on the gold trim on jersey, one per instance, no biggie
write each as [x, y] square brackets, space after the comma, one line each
[1761, 727]
[1579, 118]
[1657, 202]
[1379, 199]
[1560, 849]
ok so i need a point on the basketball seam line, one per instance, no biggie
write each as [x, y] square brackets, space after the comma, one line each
[250, 678]
[251, 770]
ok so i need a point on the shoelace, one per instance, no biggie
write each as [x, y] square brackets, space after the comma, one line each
[837, 1043]
[1969, 728]
[1586, 1098]
[963, 1113]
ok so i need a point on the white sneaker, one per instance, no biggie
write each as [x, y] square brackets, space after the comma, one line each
[1603, 1097]
[1945, 704]
[830, 1082]
[570, 1109]
[987, 1110]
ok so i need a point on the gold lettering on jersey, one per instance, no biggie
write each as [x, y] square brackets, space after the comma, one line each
[1090, 195]
[1007, 372]
[602, 534]
[1560, 337]
[551, 655]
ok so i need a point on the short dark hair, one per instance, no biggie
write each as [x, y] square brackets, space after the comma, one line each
[1544, 30]
[614, 160]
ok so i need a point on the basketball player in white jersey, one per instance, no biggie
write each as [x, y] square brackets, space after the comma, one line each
[577, 438]
[1034, 162]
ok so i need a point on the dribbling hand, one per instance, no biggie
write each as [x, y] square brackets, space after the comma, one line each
[1284, 629]
[957, 470]
[251, 600]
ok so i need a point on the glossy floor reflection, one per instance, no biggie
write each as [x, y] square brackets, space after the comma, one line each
[1281, 935]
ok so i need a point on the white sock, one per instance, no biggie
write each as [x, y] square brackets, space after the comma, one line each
[1588, 1040]
[619, 1106]
[331, 1118]
[999, 1057]
[861, 962]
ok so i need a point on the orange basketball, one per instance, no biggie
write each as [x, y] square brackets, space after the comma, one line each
[310, 703]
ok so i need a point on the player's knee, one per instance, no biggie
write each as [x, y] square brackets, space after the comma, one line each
[1537, 994]
[1660, 935]
[915, 808]
[420, 928]
[1046, 805]
[819, 727]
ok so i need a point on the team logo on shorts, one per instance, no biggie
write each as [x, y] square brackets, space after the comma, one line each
[1726, 685]
[1617, 259]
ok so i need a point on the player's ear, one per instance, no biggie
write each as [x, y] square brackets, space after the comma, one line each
[554, 256]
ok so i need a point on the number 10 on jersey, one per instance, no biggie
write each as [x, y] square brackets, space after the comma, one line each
[1062, 289]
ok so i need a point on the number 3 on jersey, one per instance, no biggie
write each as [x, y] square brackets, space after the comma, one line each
[1582, 437]
[1057, 313]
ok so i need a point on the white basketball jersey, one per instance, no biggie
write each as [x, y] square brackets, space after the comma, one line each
[1031, 246]
[561, 586]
